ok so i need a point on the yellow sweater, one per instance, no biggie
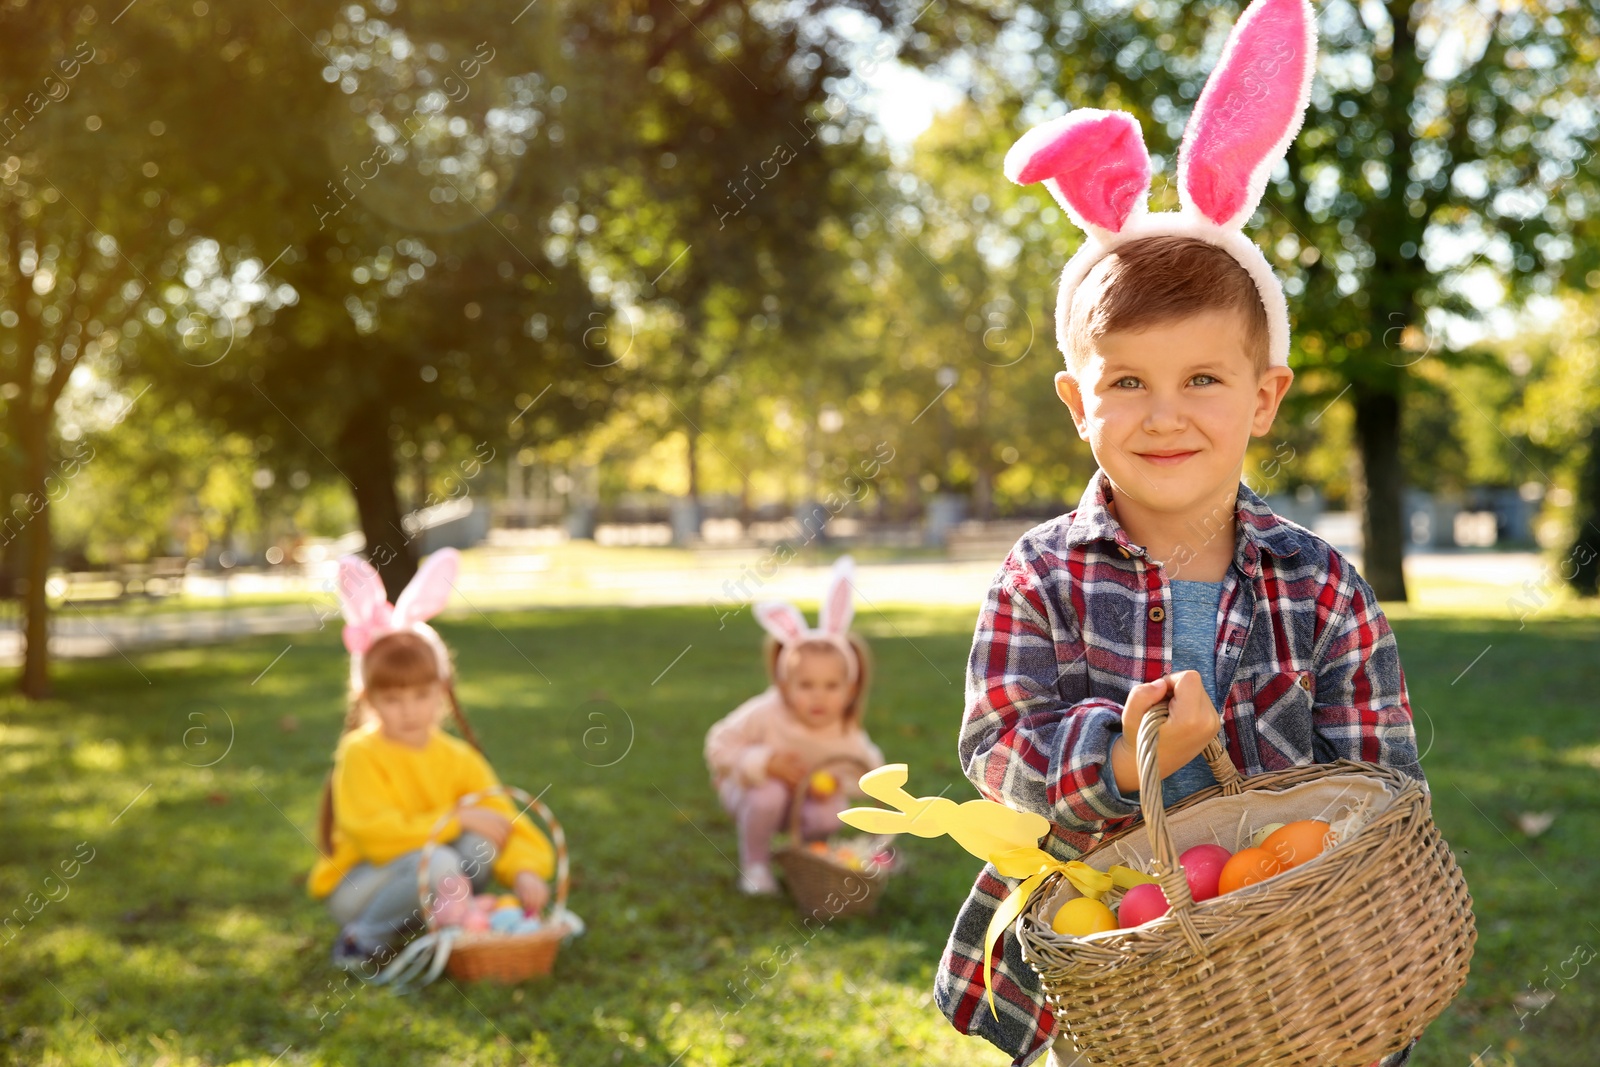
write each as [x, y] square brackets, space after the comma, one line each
[388, 796]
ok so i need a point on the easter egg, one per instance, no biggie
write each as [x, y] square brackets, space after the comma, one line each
[475, 921]
[1295, 843]
[1081, 917]
[1264, 833]
[823, 784]
[505, 920]
[1202, 866]
[508, 900]
[447, 912]
[1140, 904]
[485, 902]
[819, 847]
[1247, 867]
[530, 924]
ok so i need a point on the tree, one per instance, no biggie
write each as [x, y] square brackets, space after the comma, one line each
[78, 247]
[406, 207]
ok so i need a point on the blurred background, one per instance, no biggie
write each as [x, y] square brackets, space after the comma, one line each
[655, 307]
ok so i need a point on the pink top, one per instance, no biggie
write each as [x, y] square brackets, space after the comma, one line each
[742, 743]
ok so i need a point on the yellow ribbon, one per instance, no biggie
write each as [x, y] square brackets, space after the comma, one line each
[1033, 866]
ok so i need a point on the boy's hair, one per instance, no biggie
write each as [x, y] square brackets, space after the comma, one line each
[1153, 280]
[858, 703]
[394, 661]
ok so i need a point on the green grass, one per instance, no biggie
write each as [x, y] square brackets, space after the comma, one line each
[188, 939]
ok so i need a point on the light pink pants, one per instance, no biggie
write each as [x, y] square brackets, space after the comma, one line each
[762, 810]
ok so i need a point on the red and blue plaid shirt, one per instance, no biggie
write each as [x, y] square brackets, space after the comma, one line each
[1076, 617]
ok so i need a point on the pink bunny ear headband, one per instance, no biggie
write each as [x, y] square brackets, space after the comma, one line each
[785, 622]
[1095, 164]
[368, 615]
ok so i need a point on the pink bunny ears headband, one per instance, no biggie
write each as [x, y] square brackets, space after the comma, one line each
[1095, 164]
[368, 615]
[785, 622]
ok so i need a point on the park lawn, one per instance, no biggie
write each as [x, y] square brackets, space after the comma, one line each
[184, 783]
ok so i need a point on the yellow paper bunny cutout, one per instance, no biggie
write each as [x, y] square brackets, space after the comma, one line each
[994, 833]
[982, 827]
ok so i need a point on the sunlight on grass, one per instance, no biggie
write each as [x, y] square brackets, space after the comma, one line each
[188, 937]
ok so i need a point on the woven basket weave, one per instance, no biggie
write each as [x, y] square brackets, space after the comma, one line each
[488, 954]
[1333, 963]
[820, 885]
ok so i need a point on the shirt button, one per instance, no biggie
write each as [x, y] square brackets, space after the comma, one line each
[1125, 554]
[1304, 682]
[1157, 613]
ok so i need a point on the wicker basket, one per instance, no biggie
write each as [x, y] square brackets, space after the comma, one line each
[1333, 963]
[821, 886]
[489, 954]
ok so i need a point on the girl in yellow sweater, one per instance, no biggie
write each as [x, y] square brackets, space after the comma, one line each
[396, 773]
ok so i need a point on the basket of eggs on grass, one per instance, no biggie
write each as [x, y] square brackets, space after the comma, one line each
[1307, 916]
[837, 875]
[492, 937]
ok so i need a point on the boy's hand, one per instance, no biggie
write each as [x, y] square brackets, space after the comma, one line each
[490, 824]
[1192, 721]
[787, 767]
[532, 891]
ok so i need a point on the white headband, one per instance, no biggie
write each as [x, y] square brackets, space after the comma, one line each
[785, 622]
[1095, 165]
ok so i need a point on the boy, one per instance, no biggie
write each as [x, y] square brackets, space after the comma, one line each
[1088, 623]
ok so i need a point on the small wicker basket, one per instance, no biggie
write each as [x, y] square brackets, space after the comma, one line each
[491, 955]
[1333, 963]
[821, 886]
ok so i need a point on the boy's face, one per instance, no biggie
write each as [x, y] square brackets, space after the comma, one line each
[1168, 411]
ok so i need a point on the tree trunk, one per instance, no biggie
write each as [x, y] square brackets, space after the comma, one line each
[692, 459]
[1584, 556]
[367, 459]
[1377, 428]
[35, 683]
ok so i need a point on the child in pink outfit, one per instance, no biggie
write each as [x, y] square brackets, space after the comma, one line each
[809, 718]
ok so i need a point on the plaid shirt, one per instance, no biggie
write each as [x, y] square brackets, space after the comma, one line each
[1077, 615]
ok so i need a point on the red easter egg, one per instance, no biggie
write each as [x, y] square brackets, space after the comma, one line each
[1202, 865]
[1141, 904]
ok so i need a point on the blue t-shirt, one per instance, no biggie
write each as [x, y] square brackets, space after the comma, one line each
[1194, 648]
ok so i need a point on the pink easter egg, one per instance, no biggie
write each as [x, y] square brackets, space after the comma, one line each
[448, 912]
[1141, 904]
[1202, 865]
[475, 921]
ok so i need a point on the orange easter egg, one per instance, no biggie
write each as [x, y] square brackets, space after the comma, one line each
[1296, 842]
[1247, 867]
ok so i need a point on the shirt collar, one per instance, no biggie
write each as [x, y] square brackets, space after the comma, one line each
[1257, 530]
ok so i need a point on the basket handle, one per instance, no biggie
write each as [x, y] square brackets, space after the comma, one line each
[558, 841]
[1174, 883]
[797, 801]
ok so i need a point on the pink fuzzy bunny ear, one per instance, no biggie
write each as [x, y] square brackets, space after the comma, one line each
[781, 620]
[1093, 162]
[837, 607]
[1249, 111]
[363, 602]
[429, 589]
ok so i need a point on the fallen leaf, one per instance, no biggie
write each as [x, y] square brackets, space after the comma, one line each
[1533, 1000]
[1534, 823]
